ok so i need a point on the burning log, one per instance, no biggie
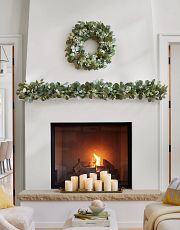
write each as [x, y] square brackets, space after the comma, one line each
[108, 165]
[79, 168]
[111, 169]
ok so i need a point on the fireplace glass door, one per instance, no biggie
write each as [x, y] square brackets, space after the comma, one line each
[83, 148]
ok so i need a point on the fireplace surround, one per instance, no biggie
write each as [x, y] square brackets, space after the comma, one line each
[78, 148]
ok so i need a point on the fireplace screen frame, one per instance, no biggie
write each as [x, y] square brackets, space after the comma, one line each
[74, 124]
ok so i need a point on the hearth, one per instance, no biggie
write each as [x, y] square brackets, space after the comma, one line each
[84, 148]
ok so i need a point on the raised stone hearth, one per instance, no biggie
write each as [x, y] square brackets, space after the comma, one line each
[56, 195]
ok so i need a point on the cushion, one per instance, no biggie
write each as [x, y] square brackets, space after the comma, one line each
[172, 195]
[154, 207]
[20, 217]
[169, 224]
[5, 202]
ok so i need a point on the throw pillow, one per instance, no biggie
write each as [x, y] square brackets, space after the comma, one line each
[172, 195]
[5, 202]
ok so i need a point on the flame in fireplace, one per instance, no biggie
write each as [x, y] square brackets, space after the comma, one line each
[97, 160]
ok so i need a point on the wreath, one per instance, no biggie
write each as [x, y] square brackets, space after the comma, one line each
[97, 31]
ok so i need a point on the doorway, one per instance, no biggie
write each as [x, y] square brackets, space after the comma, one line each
[175, 109]
[169, 71]
[7, 118]
[18, 113]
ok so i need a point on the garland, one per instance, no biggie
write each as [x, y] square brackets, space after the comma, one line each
[83, 31]
[40, 90]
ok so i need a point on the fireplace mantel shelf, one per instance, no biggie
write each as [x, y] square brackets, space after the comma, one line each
[56, 195]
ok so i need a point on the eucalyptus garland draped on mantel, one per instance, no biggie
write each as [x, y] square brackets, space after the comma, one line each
[40, 90]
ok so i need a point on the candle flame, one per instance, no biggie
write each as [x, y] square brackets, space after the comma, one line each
[97, 160]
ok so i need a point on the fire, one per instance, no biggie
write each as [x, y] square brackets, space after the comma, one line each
[97, 160]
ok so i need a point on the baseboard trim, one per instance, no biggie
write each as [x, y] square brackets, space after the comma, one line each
[49, 225]
[123, 225]
[130, 224]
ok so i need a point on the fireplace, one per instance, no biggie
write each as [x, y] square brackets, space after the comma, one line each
[83, 148]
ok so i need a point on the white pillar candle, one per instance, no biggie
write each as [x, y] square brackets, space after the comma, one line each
[74, 180]
[98, 185]
[107, 182]
[82, 179]
[102, 174]
[88, 184]
[114, 185]
[93, 176]
[68, 186]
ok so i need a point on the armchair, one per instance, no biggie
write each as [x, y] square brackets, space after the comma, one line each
[16, 218]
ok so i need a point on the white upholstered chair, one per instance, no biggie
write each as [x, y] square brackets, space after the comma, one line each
[5, 225]
[16, 218]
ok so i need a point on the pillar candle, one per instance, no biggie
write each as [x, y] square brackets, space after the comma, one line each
[93, 176]
[98, 185]
[82, 178]
[114, 185]
[107, 182]
[102, 174]
[68, 186]
[89, 184]
[74, 180]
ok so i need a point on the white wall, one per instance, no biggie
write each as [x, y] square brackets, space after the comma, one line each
[14, 17]
[130, 21]
[10, 12]
[10, 23]
[166, 19]
[14, 20]
[134, 59]
[166, 16]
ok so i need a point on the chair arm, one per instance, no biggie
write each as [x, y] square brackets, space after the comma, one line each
[5, 225]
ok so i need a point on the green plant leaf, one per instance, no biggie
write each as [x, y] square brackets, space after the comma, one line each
[40, 90]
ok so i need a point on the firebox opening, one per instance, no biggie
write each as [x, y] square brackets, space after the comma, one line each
[83, 148]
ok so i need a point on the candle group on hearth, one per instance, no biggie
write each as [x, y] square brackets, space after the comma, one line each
[92, 183]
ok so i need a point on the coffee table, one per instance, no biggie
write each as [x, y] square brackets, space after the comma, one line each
[113, 223]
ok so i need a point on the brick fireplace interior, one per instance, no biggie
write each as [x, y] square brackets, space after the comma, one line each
[78, 148]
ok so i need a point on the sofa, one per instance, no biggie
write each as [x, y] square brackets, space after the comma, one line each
[159, 216]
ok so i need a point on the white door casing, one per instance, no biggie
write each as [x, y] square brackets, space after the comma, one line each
[164, 42]
[16, 41]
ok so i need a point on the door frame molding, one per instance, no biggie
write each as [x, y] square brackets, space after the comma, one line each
[16, 41]
[164, 42]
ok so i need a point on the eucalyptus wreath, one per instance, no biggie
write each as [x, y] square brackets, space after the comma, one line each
[40, 90]
[97, 31]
